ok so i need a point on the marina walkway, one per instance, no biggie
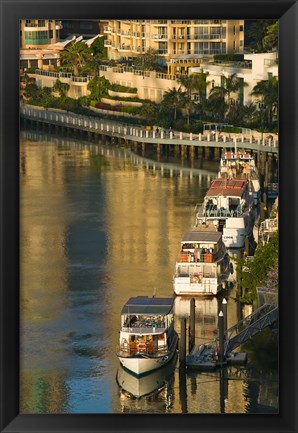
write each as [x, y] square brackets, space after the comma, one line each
[139, 134]
[250, 326]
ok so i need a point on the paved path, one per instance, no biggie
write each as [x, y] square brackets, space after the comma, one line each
[140, 134]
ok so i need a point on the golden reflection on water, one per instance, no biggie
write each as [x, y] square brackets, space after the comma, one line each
[98, 227]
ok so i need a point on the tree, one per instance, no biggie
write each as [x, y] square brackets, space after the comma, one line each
[150, 111]
[195, 83]
[216, 105]
[256, 34]
[241, 114]
[261, 271]
[270, 40]
[172, 100]
[147, 61]
[268, 92]
[199, 84]
[61, 88]
[98, 48]
[31, 91]
[187, 104]
[76, 56]
[98, 88]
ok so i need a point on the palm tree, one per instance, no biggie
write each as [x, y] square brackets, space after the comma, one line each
[216, 104]
[187, 104]
[76, 56]
[173, 100]
[199, 84]
[232, 85]
[268, 92]
[186, 82]
[195, 82]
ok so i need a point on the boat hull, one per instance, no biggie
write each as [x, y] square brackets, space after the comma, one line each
[140, 364]
[186, 288]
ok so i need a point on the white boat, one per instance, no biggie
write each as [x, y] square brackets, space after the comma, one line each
[141, 386]
[147, 336]
[229, 206]
[241, 165]
[203, 266]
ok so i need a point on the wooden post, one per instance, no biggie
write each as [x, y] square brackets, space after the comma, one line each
[221, 338]
[182, 343]
[192, 328]
[224, 306]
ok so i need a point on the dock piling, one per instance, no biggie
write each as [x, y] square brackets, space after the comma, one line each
[224, 306]
[192, 331]
[221, 359]
[182, 344]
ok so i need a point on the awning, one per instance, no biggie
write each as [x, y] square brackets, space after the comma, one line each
[145, 305]
[197, 236]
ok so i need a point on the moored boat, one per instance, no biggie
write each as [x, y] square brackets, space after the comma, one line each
[229, 206]
[147, 336]
[241, 165]
[203, 266]
[152, 382]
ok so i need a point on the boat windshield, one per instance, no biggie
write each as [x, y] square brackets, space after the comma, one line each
[144, 321]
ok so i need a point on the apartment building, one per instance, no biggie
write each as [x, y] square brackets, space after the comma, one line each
[38, 44]
[37, 33]
[173, 38]
[86, 28]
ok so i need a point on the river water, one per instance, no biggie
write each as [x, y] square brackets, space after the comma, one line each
[99, 225]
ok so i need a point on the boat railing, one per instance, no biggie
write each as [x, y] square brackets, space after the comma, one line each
[143, 329]
[193, 257]
[142, 348]
[213, 211]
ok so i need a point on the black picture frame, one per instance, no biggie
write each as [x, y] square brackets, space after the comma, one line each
[11, 12]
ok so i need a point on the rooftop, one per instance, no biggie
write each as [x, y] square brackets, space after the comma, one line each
[234, 187]
[145, 305]
[198, 236]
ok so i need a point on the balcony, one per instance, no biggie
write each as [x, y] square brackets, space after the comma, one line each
[198, 36]
[108, 43]
[216, 36]
[124, 47]
[137, 49]
[208, 22]
[160, 22]
[179, 37]
[107, 29]
[125, 33]
[162, 52]
[159, 36]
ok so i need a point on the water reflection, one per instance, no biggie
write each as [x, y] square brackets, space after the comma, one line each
[99, 225]
[143, 386]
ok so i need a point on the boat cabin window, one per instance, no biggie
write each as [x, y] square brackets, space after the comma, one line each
[143, 321]
[234, 203]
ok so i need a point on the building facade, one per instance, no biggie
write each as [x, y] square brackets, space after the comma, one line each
[170, 38]
[82, 27]
[39, 33]
[38, 39]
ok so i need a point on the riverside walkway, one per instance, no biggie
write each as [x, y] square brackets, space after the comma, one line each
[139, 134]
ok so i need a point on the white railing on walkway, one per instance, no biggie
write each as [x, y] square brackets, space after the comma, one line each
[142, 133]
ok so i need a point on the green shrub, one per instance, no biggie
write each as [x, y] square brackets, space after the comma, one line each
[120, 88]
[130, 110]
[232, 129]
[84, 101]
[229, 57]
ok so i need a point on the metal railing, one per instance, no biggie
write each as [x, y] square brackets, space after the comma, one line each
[139, 133]
[250, 326]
